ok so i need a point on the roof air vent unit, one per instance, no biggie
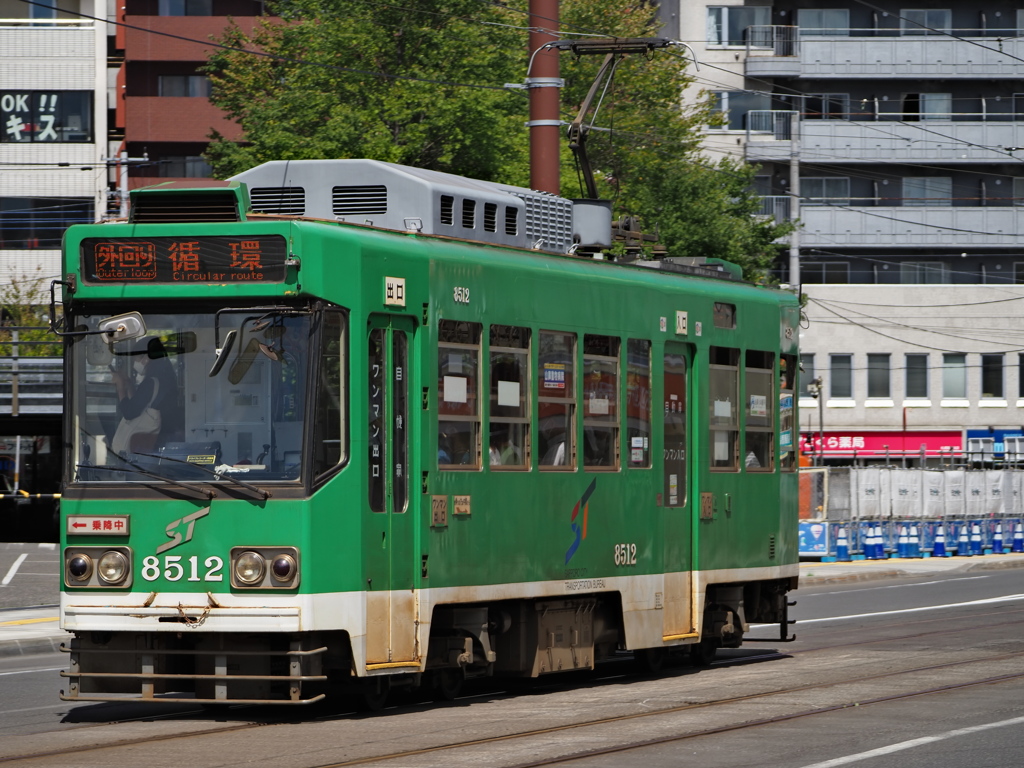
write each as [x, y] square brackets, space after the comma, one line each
[283, 201]
[354, 201]
[186, 208]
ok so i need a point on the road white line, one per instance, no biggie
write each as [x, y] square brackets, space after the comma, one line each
[30, 671]
[804, 596]
[14, 569]
[986, 601]
[903, 745]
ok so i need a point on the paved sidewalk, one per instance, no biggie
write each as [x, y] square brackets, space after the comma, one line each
[25, 631]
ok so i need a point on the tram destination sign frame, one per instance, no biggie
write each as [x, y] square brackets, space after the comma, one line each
[182, 259]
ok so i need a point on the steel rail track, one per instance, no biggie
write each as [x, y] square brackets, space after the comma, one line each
[888, 675]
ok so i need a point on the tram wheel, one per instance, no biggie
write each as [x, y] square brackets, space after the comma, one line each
[446, 684]
[650, 660]
[373, 694]
[703, 653]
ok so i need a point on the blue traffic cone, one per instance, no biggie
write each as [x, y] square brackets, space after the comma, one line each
[997, 540]
[873, 543]
[842, 547]
[963, 545]
[914, 543]
[975, 539]
[879, 542]
[903, 543]
[940, 542]
[1018, 538]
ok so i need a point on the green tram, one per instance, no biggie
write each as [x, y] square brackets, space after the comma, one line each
[347, 425]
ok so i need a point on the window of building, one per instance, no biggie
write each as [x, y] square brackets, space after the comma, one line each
[735, 105]
[992, 376]
[39, 222]
[185, 7]
[916, 272]
[556, 400]
[806, 373]
[927, 190]
[928, 106]
[917, 376]
[833, 272]
[43, 9]
[723, 417]
[1018, 187]
[458, 395]
[827, 190]
[826, 106]
[840, 376]
[55, 117]
[823, 21]
[184, 166]
[878, 376]
[759, 410]
[1020, 375]
[600, 401]
[921, 21]
[727, 24]
[183, 85]
[510, 400]
[954, 375]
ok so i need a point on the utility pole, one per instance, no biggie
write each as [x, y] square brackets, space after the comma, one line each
[794, 197]
[544, 85]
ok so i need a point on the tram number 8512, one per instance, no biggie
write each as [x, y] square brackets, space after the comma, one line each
[625, 554]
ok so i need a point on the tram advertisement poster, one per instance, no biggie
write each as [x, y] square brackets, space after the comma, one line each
[214, 259]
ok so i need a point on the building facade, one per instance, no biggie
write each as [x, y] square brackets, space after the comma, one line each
[894, 133]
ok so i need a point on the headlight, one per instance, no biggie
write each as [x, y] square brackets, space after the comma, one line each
[250, 567]
[283, 568]
[79, 567]
[112, 567]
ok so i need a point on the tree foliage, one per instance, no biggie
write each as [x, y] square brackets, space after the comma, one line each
[420, 83]
[24, 308]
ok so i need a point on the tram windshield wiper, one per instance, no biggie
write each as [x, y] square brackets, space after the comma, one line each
[132, 467]
[219, 475]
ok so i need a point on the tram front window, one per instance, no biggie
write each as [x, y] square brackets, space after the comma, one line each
[166, 404]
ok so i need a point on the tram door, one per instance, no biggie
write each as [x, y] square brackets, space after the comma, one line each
[677, 500]
[391, 599]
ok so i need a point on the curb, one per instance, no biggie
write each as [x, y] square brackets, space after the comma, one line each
[815, 579]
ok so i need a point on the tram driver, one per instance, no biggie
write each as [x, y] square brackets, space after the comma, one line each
[147, 399]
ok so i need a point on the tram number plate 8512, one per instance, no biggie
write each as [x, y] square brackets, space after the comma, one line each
[174, 568]
[625, 554]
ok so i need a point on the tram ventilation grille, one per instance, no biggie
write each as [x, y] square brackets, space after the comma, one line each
[191, 208]
[771, 547]
[352, 201]
[283, 201]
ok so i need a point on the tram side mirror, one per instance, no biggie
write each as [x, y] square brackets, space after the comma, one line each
[222, 353]
[122, 327]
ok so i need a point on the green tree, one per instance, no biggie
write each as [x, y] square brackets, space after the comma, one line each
[24, 306]
[363, 78]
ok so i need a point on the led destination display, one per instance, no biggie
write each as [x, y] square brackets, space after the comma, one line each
[253, 258]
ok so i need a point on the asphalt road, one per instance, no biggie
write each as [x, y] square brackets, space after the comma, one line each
[29, 575]
[911, 672]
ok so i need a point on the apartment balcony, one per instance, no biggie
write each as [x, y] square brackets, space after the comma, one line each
[775, 51]
[50, 54]
[141, 45]
[150, 119]
[964, 138]
[826, 226]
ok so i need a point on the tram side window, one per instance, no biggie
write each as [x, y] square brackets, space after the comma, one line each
[723, 406]
[787, 383]
[638, 402]
[510, 400]
[759, 411]
[458, 399]
[329, 425]
[556, 401]
[600, 402]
